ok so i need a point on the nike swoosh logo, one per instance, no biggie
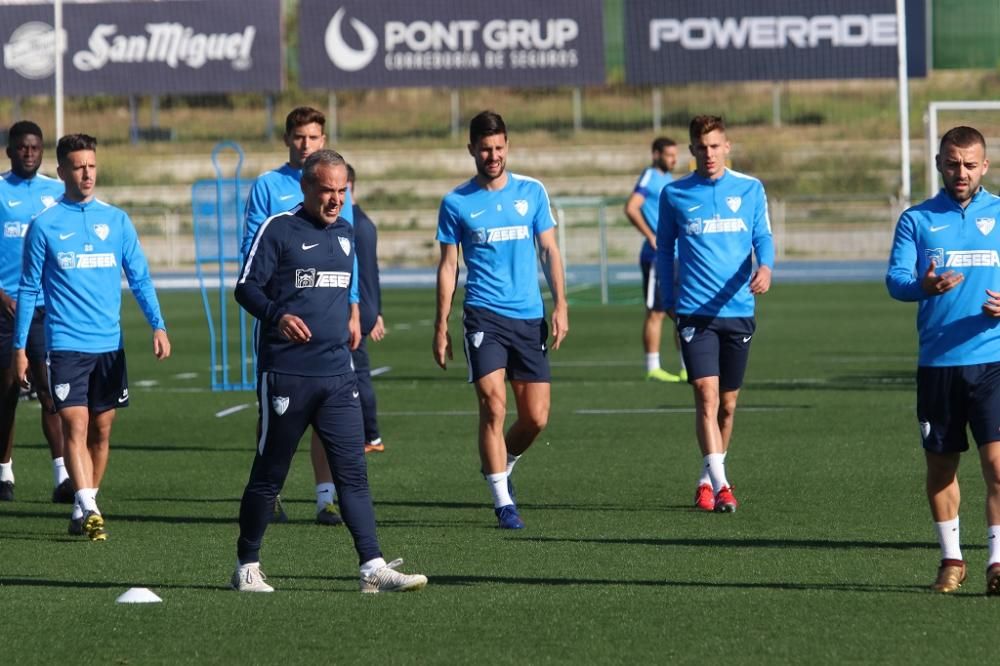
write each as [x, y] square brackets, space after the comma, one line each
[747, 339]
[477, 214]
[13, 203]
[694, 208]
[354, 394]
[309, 247]
[121, 400]
[943, 226]
[65, 236]
[285, 197]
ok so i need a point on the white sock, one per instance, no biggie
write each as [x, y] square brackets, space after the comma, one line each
[652, 361]
[714, 464]
[326, 493]
[994, 545]
[498, 486]
[77, 511]
[87, 499]
[511, 461]
[947, 532]
[706, 478]
[7, 471]
[59, 470]
[371, 566]
[377, 440]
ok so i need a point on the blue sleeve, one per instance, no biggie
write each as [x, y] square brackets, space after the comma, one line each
[640, 185]
[666, 239]
[257, 270]
[355, 292]
[901, 278]
[258, 210]
[347, 210]
[544, 220]
[139, 280]
[449, 226]
[763, 241]
[32, 264]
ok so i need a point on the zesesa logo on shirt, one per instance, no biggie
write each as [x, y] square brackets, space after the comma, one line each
[69, 260]
[307, 278]
[718, 225]
[963, 258]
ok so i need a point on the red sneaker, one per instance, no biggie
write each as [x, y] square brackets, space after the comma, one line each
[725, 502]
[704, 498]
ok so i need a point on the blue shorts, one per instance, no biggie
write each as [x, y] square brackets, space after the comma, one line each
[716, 347]
[949, 399]
[493, 341]
[36, 338]
[96, 381]
[651, 287]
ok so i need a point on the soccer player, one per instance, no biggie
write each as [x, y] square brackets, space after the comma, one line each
[946, 257]
[497, 217]
[643, 210]
[24, 193]
[372, 325]
[74, 255]
[714, 221]
[296, 282]
[275, 192]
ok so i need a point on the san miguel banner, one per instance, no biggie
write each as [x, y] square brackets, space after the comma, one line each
[365, 44]
[182, 46]
[682, 41]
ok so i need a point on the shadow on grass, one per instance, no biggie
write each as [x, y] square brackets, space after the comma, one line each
[822, 544]
[870, 381]
[92, 585]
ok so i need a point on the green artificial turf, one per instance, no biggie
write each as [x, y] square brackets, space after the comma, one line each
[827, 560]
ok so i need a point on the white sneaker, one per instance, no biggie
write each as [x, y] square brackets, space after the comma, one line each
[249, 578]
[387, 579]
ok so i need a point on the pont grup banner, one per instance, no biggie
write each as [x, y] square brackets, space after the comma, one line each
[524, 43]
[140, 47]
[684, 41]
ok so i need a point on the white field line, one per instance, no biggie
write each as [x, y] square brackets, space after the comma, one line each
[381, 371]
[231, 410]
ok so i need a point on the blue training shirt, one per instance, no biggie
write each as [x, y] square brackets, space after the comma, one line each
[275, 192]
[717, 225]
[75, 253]
[651, 182]
[303, 267]
[497, 230]
[21, 199]
[952, 328]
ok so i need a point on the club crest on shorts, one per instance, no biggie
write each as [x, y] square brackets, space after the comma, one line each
[476, 339]
[345, 245]
[279, 404]
[734, 203]
[985, 225]
[62, 390]
[102, 231]
[687, 333]
[925, 430]
[521, 206]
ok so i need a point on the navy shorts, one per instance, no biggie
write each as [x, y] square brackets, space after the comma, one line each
[716, 347]
[36, 338]
[950, 398]
[493, 341]
[96, 381]
[651, 287]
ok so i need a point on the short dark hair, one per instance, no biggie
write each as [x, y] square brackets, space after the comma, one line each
[303, 115]
[702, 125]
[20, 129]
[350, 174]
[661, 142]
[72, 143]
[962, 137]
[320, 158]
[486, 123]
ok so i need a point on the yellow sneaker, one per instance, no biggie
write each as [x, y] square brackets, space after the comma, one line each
[683, 374]
[950, 576]
[661, 375]
[93, 526]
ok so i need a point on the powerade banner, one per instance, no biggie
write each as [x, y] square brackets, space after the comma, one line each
[182, 46]
[366, 44]
[682, 41]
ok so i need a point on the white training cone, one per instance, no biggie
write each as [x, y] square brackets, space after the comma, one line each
[139, 595]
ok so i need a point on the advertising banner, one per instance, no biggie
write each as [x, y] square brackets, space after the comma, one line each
[524, 43]
[182, 46]
[682, 41]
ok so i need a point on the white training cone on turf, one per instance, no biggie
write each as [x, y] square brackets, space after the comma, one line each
[139, 595]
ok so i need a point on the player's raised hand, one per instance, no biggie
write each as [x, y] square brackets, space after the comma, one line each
[442, 348]
[294, 329]
[935, 285]
[560, 325]
[161, 344]
[991, 308]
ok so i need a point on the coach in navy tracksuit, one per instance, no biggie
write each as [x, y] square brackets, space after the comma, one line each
[297, 282]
